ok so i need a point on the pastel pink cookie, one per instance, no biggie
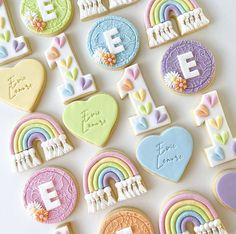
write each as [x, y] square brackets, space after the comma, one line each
[50, 195]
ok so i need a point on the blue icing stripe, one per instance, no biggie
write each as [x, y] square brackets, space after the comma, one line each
[126, 32]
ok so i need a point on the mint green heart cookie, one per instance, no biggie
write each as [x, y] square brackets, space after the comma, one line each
[92, 120]
[46, 17]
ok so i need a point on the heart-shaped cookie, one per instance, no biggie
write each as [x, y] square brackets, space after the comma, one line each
[22, 85]
[168, 154]
[92, 120]
[225, 188]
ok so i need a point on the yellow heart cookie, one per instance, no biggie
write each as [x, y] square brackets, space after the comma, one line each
[21, 86]
[140, 95]
[217, 122]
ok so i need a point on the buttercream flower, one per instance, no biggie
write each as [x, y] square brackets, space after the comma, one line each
[170, 78]
[41, 215]
[180, 84]
[39, 24]
[29, 17]
[109, 59]
[32, 208]
[98, 54]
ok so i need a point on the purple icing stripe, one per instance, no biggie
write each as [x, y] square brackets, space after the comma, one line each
[170, 8]
[33, 137]
[110, 175]
[189, 219]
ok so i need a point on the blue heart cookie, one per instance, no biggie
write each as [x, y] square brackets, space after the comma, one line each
[168, 154]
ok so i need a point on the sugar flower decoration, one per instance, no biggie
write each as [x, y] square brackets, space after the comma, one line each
[41, 215]
[39, 24]
[170, 78]
[32, 208]
[180, 84]
[109, 59]
[29, 17]
[98, 54]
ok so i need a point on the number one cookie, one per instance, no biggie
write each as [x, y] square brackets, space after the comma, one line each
[148, 116]
[76, 85]
[211, 113]
[11, 47]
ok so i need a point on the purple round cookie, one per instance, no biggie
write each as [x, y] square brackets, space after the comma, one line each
[188, 67]
[50, 195]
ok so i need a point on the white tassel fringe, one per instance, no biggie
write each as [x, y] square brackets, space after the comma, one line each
[213, 227]
[117, 3]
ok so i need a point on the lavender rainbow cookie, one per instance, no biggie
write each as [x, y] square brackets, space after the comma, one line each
[46, 17]
[113, 42]
[50, 195]
[188, 67]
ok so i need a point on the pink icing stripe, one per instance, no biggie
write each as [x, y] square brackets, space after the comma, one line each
[99, 157]
[181, 197]
[147, 13]
[195, 4]
[30, 117]
[108, 176]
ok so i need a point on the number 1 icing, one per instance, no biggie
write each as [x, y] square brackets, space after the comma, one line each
[158, 23]
[11, 47]
[211, 113]
[76, 85]
[148, 116]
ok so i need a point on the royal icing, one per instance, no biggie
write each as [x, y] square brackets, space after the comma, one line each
[95, 8]
[189, 207]
[113, 42]
[159, 26]
[147, 117]
[210, 112]
[168, 154]
[36, 204]
[126, 221]
[21, 86]
[76, 85]
[11, 47]
[224, 188]
[92, 120]
[65, 229]
[105, 166]
[46, 17]
[188, 67]
[36, 127]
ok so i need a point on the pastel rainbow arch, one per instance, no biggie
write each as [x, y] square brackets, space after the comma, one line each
[106, 166]
[32, 128]
[188, 207]
[157, 18]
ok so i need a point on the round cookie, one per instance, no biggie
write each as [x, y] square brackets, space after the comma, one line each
[126, 221]
[46, 17]
[113, 42]
[50, 195]
[188, 67]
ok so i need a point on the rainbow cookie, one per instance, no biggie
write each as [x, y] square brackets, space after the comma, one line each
[94, 8]
[11, 47]
[210, 112]
[76, 85]
[36, 127]
[105, 166]
[50, 195]
[188, 67]
[188, 207]
[148, 117]
[126, 220]
[46, 17]
[158, 14]
[113, 42]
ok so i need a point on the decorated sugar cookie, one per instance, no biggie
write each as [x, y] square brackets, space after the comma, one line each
[64, 229]
[50, 195]
[21, 86]
[11, 47]
[76, 85]
[224, 188]
[46, 17]
[126, 221]
[158, 14]
[188, 67]
[113, 42]
[188, 207]
[94, 8]
[147, 117]
[106, 166]
[210, 112]
[168, 154]
[92, 120]
[32, 128]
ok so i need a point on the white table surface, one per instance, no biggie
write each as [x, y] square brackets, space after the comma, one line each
[219, 36]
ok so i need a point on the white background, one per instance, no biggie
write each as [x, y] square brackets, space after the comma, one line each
[219, 36]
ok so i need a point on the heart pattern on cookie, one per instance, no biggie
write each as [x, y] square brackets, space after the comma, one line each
[146, 109]
[211, 100]
[133, 73]
[68, 90]
[6, 36]
[127, 85]
[168, 154]
[18, 46]
[66, 63]
[202, 111]
[218, 154]
[92, 120]
[2, 22]
[21, 86]
[72, 75]
[217, 122]
[160, 117]
[53, 53]
[222, 137]
[85, 83]
[60, 41]
[140, 95]
[3, 52]
[142, 124]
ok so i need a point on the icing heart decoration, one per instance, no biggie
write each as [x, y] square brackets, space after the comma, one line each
[68, 90]
[160, 117]
[168, 154]
[2, 22]
[3, 52]
[60, 41]
[146, 109]
[18, 46]
[225, 188]
[222, 137]
[133, 73]
[217, 122]
[202, 111]
[142, 124]
[92, 120]
[72, 75]
[140, 95]
[218, 154]
[5, 36]
[85, 83]
[22, 85]
[234, 148]
[66, 63]
[127, 85]
[53, 54]
[211, 100]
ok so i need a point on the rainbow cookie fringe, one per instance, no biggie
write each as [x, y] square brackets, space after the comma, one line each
[110, 165]
[36, 127]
